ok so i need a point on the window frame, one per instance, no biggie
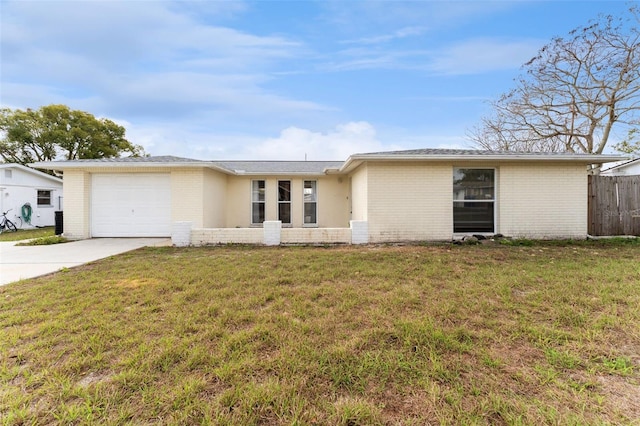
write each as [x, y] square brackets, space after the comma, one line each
[282, 203]
[257, 202]
[39, 197]
[314, 202]
[465, 202]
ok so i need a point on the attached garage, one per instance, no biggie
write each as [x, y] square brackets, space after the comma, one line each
[130, 205]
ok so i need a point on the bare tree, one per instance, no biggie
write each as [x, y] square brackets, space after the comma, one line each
[573, 93]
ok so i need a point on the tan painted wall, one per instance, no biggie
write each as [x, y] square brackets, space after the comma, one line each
[214, 199]
[542, 200]
[359, 187]
[409, 201]
[333, 202]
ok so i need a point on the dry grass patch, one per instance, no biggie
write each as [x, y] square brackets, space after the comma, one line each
[541, 334]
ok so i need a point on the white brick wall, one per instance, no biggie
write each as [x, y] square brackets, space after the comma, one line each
[187, 192]
[201, 236]
[76, 189]
[410, 201]
[316, 236]
[414, 201]
[542, 200]
[204, 236]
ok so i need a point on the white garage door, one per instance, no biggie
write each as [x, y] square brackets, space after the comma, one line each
[131, 205]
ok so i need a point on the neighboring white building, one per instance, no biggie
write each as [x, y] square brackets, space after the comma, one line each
[24, 190]
[626, 168]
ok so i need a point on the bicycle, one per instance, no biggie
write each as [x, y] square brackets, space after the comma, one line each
[6, 224]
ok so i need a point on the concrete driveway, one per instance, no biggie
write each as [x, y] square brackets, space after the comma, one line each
[19, 262]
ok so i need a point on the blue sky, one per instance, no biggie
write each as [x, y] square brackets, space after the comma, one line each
[278, 79]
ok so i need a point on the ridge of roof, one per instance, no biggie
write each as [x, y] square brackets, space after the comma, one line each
[470, 152]
[149, 159]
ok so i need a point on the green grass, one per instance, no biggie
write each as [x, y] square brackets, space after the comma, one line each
[26, 234]
[541, 334]
[44, 241]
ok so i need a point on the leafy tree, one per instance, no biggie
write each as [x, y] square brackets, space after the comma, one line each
[57, 132]
[574, 93]
[631, 144]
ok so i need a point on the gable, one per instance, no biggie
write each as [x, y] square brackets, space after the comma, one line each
[17, 175]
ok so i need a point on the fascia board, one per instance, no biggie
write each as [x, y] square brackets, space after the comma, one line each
[353, 161]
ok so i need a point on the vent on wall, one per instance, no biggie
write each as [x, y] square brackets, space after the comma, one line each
[8, 173]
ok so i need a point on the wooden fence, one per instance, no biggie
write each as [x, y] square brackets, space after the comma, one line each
[614, 205]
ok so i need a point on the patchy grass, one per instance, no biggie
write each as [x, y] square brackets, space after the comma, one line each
[26, 234]
[44, 241]
[490, 334]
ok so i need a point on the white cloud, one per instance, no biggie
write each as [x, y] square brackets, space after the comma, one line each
[293, 143]
[297, 144]
[142, 58]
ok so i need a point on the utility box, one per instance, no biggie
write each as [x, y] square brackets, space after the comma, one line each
[59, 228]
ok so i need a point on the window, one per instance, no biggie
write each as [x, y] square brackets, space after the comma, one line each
[257, 201]
[473, 200]
[8, 173]
[44, 198]
[284, 201]
[310, 198]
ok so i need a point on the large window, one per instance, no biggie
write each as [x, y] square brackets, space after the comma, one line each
[44, 198]
[310, 202]
[473, 200]
[257, 201]
[284, 201]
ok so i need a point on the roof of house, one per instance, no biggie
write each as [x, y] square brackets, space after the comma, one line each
[30, 170]
[169, 159]
[623, 164]
[461, 153]
[474, 155]
[324, 167]
[278, 167]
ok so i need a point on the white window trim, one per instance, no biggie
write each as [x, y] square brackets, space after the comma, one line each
[50, 198]
[310, 225]
[290, 223]
[494, 200]
[257, 224]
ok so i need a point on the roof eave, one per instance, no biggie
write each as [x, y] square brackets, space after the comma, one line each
[355, 160]
[283, 173]
[62, 165]
[68, 165]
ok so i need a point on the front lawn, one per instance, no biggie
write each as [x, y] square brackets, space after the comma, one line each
[375, 335]
[25, 234]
